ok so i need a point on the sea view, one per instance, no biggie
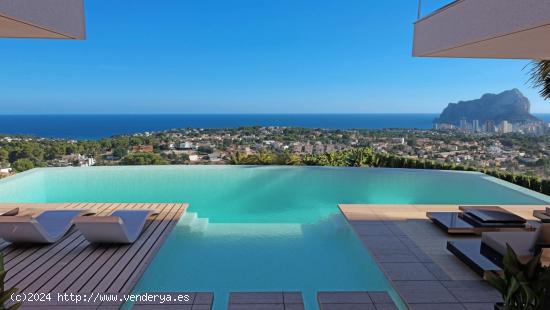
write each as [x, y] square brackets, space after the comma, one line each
[94, 127]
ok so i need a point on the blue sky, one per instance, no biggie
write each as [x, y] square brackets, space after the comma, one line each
[244, 56]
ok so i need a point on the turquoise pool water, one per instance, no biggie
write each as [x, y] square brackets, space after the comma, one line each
[261, 228]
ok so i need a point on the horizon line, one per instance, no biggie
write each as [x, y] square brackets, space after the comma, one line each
[215, 114]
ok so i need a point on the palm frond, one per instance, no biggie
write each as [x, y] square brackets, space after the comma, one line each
[540, 77]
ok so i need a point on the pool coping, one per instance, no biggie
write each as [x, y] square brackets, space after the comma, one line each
[416, 277]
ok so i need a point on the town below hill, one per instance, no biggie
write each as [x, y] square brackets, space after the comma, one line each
[507, 112]
[507, 153]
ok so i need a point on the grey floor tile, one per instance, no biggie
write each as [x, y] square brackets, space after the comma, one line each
[344, 298]
[372, 230]
[479, 306]
[473, 291]
[421, 255]
[348, 307]
[293, 298]
[385, 307]
[294, 307]
[256, 307]
[424, 292]
[443, 306]
[396, 258]
[256, 298]
[407, 271]
[380, 298]
[382, 242]
[438, 273]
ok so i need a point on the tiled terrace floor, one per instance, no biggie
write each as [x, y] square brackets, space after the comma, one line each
[355, 301]
[412, 253]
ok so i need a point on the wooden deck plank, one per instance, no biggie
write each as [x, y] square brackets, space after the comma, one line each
[74, 265]
[100, 259]
[116, 274]
[76, 258]
[146, 259]
[39, 254]
[34, 265]
[20, 253]
[107, 263]
[12, 252]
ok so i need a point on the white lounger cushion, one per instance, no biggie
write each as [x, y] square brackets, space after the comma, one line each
[122, 226]
[47, 227]
[521, 242]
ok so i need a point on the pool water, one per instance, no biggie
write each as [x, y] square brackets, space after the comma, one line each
[262, 228]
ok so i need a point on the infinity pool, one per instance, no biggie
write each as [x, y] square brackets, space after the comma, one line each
[262, 228]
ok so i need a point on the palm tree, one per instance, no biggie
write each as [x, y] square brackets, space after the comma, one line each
[540, 77]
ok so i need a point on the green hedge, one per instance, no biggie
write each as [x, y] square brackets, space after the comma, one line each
[366, 157]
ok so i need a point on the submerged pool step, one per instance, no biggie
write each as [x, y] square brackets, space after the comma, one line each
[191, 221]
[199, 225]
[188, 218]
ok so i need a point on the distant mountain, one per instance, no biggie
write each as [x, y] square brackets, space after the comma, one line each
[509, 105]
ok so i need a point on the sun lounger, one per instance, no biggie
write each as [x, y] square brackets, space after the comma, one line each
[451, 222]
[477, 219]
[11, 212]
[486, 255]
[525, 244]
[491, 217]
[469, 252]
[46, 227]
[542, 215]
[122, 226]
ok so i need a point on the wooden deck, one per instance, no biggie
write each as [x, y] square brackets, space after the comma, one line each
[72, 265]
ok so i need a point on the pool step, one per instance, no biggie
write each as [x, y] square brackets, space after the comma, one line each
[192, 222]
[188, 218]
[199, 225]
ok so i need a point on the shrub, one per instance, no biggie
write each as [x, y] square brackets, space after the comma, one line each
[523, 286]
[143, 159]
[22, 164]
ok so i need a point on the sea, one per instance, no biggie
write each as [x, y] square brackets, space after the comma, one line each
[95, 127]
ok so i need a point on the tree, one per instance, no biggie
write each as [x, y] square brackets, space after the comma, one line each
[540, 77]
[290, 159]
[360, 157]
[262, 158]
[4, 155]
[203, 149]
[120, 152]
[143, 159]
[22, 164]
[238, 158]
